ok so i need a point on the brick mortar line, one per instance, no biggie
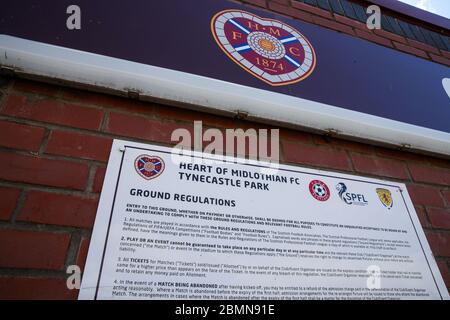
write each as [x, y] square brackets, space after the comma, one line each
[282, 154]
[436, 230]
[439, 257]
[72, 249]
[39, 227]
[428, 161]
[429, 165]
[425, 185]
[350, 160]
[381, 177]
[374, 153]
[408, 172]
[44, 141]
[105, 121]
[50, 156]
[430, 184]
[441, 194]
[445, 259]
[19, 204]
[91, 178]
[48, 125]
[32, 273]
[55, 190]
[447, 203]
[321, 168]
[424, 211]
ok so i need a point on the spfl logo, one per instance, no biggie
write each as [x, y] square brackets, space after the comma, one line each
[149, 167]
[349, 197]
[269, 49]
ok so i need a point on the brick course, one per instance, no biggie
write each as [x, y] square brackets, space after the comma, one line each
[32, 249]
[58, 209]
[20, 136]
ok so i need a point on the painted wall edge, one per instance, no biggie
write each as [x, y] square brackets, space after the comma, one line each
[81, 68]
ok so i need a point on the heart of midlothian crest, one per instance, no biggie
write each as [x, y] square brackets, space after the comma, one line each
[268, 49]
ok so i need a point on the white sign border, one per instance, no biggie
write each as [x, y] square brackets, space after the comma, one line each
[97, 248]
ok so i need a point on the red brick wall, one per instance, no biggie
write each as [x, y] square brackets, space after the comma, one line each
[54, 145]
[315, 15]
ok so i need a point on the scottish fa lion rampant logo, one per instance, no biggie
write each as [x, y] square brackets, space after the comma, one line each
[385, 197]
[268, 49]
[149, 167]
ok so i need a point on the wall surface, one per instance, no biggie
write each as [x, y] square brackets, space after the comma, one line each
[54, 145]
[341, 23]
[55, 142]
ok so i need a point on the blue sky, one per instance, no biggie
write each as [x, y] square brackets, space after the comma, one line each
[440, 7]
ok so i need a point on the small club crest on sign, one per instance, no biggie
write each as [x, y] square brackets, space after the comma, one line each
[385, 197]
[149, 167]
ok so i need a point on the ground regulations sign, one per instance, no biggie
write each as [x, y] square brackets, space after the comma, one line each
[199, 227]
[225, 56]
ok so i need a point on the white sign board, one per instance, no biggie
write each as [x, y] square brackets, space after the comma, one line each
[187, 227]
